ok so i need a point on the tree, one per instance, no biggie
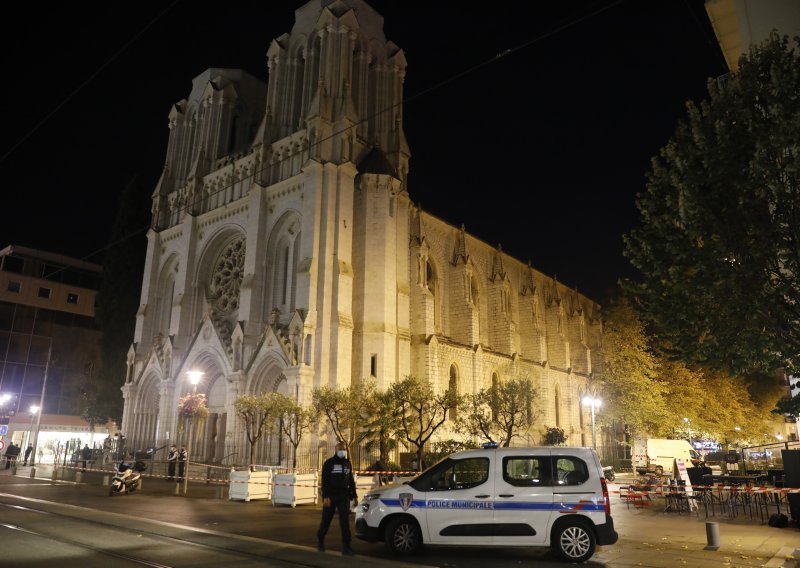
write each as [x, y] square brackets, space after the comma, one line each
[718, 247]
[554, 436]
[382, 424]
[296, 420]
[259, 413]
[119, 296]
[422, 411]
[345, 408]
[503, 411]
[629, 372]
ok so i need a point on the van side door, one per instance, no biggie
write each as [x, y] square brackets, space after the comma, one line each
[577, 488]
[523, 498]
[458, 501]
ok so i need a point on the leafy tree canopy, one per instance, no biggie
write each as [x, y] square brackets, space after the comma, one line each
[718, 244]
[501, 412]
[422, 410]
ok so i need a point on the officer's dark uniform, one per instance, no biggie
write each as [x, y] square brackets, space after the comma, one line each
[339, 486]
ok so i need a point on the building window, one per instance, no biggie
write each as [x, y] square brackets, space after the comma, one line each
[14, 286]
[44, 292]
[373, 365]
[72, 298]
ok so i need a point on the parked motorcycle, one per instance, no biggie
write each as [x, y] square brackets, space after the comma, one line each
[608, 472]
[128, 478]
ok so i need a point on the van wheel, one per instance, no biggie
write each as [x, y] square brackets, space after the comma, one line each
[574, 542]
[403, 536]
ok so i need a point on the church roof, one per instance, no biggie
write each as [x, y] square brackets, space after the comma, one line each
[376, 162]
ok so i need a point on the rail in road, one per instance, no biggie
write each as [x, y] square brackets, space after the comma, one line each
[43, 531]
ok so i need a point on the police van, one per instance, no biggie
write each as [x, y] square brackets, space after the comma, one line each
[506, 497]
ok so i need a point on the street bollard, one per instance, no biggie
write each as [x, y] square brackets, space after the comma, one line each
[177, 488]
[32, 472]
[712, 535]
[106, 480]
[219, 492]
[54, 476]
[78, 477]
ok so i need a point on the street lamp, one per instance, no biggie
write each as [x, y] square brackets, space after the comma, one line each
[194, 378]
[593, 402]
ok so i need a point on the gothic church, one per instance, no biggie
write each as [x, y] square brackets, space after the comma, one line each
[286, 253]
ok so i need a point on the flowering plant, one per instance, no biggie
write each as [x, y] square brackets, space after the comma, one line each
[192, 407]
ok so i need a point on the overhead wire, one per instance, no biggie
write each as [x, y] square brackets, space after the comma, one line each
[501, 55]
[88, 80]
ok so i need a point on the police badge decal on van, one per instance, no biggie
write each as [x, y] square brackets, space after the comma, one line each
[405, 500]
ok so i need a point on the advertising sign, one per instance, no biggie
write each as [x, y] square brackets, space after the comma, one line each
[685, 477]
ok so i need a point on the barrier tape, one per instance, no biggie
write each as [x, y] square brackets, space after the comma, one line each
[212, 481]
[672, 489]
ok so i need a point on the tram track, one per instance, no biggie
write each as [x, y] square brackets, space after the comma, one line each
[138, 532]
[96, 549]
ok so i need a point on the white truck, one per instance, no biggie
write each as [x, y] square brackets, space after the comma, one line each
[658, 455]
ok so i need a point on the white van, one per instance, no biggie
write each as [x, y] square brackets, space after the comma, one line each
[658, 455]
[505, 497]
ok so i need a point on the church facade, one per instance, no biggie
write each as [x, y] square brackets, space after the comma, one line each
[286, 253]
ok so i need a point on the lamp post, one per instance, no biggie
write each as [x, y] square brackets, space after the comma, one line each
[593, 402]
[194, 378]
[33, 410]
[41, 405]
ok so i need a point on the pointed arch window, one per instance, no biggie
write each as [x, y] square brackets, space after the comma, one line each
[430, 278]
[284, 274]
[557, 402]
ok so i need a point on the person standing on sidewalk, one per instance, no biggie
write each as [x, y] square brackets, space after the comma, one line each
[28, 451]
[172, 459]
[12, 452]
[183, 457]
[338, 490]
[86, 455]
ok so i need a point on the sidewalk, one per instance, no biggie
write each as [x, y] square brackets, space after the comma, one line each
[648, 536]
[667, 539]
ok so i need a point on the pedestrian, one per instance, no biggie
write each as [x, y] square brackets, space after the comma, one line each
[86, 455]
[338, 491]
[172, 459]
[107, 450]
[28, 451]
[10, 454]
[414, 464]
[377, 469]
[183, 458]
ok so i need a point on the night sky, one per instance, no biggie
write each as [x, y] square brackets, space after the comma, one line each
[531, 123]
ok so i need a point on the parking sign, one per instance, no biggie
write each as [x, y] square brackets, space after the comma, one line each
[3, 429]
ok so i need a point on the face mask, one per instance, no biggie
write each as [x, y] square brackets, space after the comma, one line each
[341, 454]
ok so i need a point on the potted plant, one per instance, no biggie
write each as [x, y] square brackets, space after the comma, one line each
[259, 414]
[294, 488]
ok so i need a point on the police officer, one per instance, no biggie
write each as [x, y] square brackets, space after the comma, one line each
[172, 459]
[183, 457]
[338, 491]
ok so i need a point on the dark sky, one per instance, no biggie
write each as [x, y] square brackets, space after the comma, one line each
[541, 150]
